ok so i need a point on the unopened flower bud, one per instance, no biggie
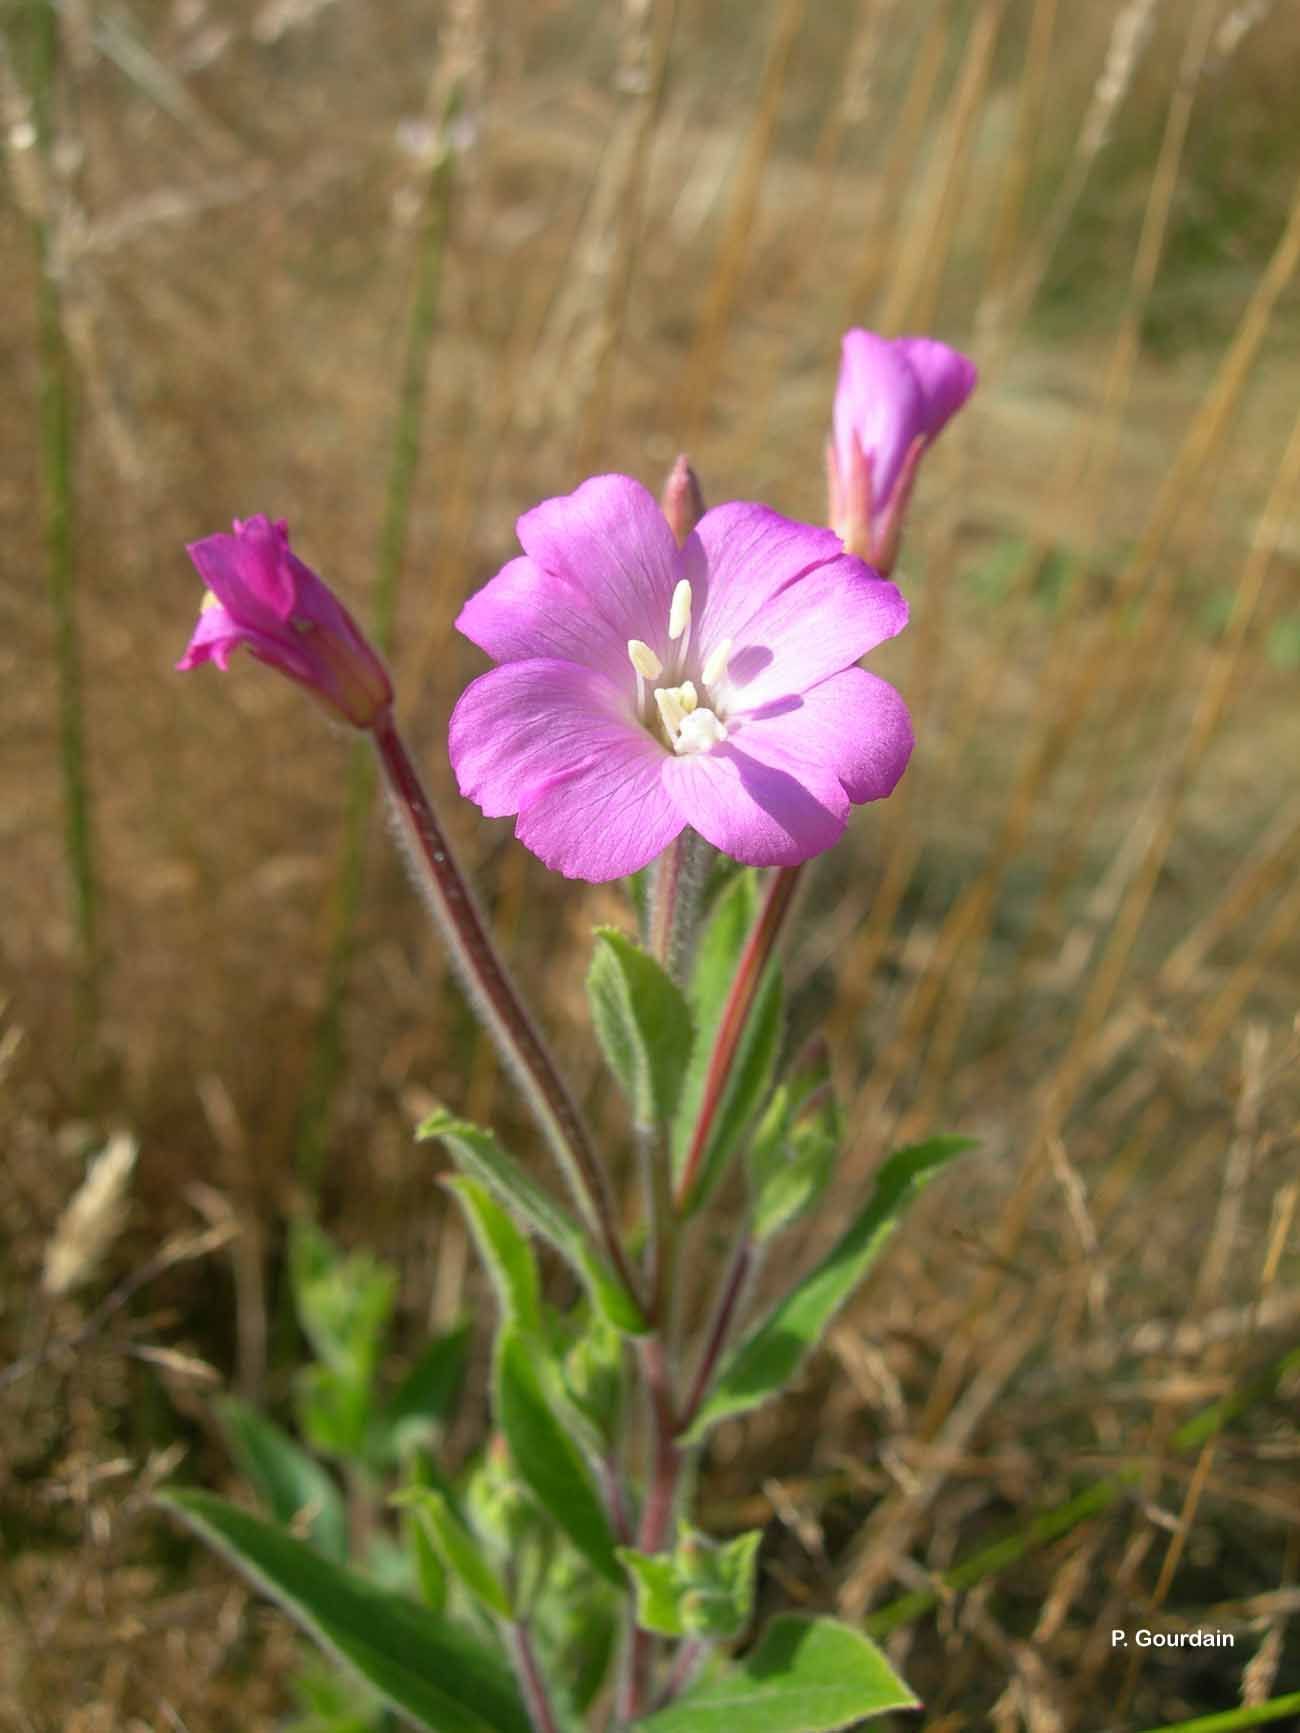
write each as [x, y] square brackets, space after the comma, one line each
[892, 402]
[262, 596]
[682, 499]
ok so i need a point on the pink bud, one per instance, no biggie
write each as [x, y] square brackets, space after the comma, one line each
[682, 499]
[262, 596]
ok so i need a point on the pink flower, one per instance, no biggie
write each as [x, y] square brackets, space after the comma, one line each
[644, 687]
[892, 402]
[262, 596]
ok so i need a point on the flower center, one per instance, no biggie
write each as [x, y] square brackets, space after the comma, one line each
[690, 722]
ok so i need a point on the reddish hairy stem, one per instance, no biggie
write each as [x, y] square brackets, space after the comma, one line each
[723, 1317]
[749, 973]
[657, 1512]
[533, 1686]
[495, 995]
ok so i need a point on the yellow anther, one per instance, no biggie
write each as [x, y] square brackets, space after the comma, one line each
[715, 668]
[643, 659]
[679, 616]
[209, 602]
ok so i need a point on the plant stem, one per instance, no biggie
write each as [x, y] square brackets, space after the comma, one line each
[1253, 1715]
[494, 994]
[729, 1294]
[314, 1114]
[1064, 1517]
[57, 465]
[685, 1661]
[531, 1682]
[656, 1514]
[749, 974]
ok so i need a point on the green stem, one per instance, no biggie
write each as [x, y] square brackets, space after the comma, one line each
[1254, 1716]
[1063, 1517]
[57, 465]
[327, 1056]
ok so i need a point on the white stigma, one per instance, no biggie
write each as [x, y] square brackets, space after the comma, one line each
[679, 615]
[715, 668]
[643, 659]
[698, 732]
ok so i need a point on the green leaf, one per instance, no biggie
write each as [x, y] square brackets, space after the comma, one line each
[343, 1303]
[460, 1551]
[806, 1676]
[751, 1071]
[507, 1255]
[792, 1154]
[654, 1576]
[424, 1666]
[546, 1459]
[770, 1356]
[426, 1396]
[702, 1589]
[295, 1488]
[332, 1410]
[643, 1024]
[479, 1154]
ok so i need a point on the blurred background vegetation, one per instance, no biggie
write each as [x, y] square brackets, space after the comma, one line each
[395, 272]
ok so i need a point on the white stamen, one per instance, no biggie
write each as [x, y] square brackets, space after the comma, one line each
[643, 659]
[670, 711]
[679, 616]
[698, 732]
[715, 668]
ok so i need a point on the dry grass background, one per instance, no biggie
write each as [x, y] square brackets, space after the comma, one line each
[1073, 932]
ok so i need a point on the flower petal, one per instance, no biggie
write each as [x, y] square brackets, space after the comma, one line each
[853, 727]
[742, 555]
[612, 544]
[945, 376]
[247, 572]
[755, 812]
[525, 612]
[609, 817]
[879, 399]
[810, 630]
[216, 634]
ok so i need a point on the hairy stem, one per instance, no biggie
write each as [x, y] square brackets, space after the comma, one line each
[656, 1525]
[729, 1295]
[494, 994]
[531, 1682]
[749, 973]
[57, 446]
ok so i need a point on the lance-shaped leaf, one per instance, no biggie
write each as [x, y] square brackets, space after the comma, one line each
[427, 1668]
[478, 1154]
[460, 1551]
[643, 1024]
[295, 1488]
[750, 1073]
[805, 1676]
[507, 1255]
[770, 1356]
[792, 1153]
[546, 1458]
[424, 1399]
